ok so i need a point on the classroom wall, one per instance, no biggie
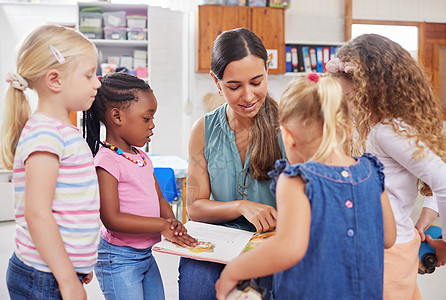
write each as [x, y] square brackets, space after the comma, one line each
[172, 44]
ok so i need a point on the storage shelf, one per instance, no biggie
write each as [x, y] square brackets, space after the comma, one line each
[129, 43]
[108, 6]
[315, 43]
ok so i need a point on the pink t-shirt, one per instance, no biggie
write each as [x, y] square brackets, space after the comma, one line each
[137, 195]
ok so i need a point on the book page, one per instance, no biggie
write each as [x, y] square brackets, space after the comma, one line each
[216, 243]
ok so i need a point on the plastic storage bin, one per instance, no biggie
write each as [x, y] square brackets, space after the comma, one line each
[137, 34]
[257, 2]
[136, 21]
[114, 19]
[90, 19]
[91, 32]
[217, 2]
[115, 33]
[235, 2]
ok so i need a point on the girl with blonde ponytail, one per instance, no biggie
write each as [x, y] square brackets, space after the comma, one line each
[334, 217]
[56, 195]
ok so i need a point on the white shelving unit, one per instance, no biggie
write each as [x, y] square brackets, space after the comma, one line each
[107, 47]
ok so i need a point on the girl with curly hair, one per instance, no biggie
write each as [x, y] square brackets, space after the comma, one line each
[398, 119]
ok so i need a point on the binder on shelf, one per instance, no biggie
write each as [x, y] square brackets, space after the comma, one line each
[313, 59]
[300, 59]
[319, 60]
[325, 57]
[294, 59]
[306, 59]
[333, 52]
[288, 63]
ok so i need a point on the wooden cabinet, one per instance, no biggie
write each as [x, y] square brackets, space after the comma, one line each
[268, 23]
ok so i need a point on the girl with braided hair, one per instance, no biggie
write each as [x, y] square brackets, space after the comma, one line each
[133, 209]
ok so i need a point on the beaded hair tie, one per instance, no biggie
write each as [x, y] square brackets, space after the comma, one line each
[119, 151]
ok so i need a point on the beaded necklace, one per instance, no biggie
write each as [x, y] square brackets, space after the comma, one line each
[121, 152]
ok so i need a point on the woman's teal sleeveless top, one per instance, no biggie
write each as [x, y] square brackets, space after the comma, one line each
[229, 179]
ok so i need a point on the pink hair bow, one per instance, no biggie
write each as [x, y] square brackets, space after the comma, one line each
[336, 65]
[313, 77]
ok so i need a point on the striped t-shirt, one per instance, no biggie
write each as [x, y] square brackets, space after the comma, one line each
[76, 200]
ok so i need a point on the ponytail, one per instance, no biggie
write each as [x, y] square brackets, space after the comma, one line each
[92, 129]
[321, 100]
[16, 112]
[334, 112]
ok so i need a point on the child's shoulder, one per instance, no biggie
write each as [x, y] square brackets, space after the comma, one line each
[373, 159]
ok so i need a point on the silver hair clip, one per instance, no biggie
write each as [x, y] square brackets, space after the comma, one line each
[59, 57]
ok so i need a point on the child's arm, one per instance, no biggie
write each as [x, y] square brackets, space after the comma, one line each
[176, 227]
[41, 169]
[291, 239]
[114, 220]
[388, 221]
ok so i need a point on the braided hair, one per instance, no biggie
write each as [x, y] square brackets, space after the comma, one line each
[117, 89]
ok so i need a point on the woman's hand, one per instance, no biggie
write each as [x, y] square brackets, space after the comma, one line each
[427, 217]
[262, 216]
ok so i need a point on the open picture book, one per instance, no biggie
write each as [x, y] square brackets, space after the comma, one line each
[216, 243]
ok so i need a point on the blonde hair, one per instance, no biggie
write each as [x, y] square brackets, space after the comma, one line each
[34, 59]
[324, 102]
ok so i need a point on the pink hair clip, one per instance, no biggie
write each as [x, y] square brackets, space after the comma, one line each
[313, 77]
[59, 57]
[336, 65]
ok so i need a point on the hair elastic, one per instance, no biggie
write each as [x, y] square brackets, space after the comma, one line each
[313, 77]
[59, 57]
[17, 81]
[336, 65]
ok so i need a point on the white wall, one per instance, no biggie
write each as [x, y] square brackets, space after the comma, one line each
[167, 62]
[401, 10]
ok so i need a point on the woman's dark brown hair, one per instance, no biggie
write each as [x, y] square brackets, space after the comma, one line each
[234, 45]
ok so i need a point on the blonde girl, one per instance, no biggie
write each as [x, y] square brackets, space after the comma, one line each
[334, 218]
[398, 118]
[56, 199]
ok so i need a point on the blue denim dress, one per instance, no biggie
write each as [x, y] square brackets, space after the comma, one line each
[344, 259]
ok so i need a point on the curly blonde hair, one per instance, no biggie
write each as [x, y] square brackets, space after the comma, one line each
[390, 87]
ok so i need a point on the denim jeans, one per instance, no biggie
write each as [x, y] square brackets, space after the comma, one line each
[26, 283]
[197, 279]
[128, 273]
